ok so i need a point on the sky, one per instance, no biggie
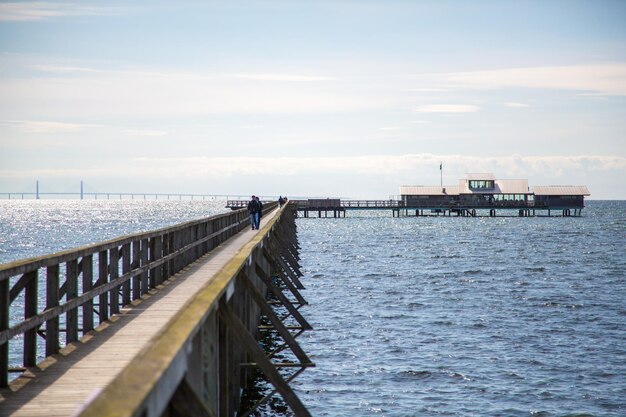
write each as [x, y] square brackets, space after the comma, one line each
[339, 98]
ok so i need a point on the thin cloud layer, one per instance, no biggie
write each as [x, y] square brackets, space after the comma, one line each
[42, 10]
[609, 79]
[447, 108]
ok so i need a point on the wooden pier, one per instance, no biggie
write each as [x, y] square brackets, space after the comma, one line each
[337, 208]
[153, 324]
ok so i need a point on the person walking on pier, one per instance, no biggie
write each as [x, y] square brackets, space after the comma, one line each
[258, 221]
[253, 211]
[280, 201]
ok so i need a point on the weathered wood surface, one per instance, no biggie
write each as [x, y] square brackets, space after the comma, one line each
[65, 382]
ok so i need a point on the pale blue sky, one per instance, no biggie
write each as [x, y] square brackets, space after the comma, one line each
[326, 98]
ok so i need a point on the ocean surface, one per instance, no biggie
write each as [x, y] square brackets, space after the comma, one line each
[466, 316]
[422, 316]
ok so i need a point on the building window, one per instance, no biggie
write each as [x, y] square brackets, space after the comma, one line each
[481, 184]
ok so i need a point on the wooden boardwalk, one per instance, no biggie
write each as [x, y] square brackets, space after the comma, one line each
[64, 383]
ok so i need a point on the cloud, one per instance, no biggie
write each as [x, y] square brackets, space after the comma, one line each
[369, 176]
[42, 10]
[447, 108]
[390, 128]
[428, 90]
[141, 132]
[35, 126]
[279, 77]
[609, 79]
[507, 166]
[96, 93]
[516, 105]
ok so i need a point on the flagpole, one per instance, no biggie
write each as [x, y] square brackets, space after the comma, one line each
[441, 173]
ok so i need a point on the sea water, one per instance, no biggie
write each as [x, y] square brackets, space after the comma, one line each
[434, 316]
[422, 316]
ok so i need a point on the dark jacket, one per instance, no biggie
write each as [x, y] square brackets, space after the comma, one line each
[253, 207]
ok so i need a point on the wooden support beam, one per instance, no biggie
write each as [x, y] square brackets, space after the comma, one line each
[185, 403]
[280, 327]
[20, 285]
[283, 276]
[295, 278]
[244, 337]
[281, 297]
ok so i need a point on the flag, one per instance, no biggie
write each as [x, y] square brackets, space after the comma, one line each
[440, 166]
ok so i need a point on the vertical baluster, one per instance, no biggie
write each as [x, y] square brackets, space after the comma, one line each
[114, 272]
[71, 293]
[52, 300]
[165, 245]
[103, 273]
[4, 324]
[136, 264]
[156, 275]
[171, 249]
[30, 309]
[145, 253]
[126, 262]
[87, 286]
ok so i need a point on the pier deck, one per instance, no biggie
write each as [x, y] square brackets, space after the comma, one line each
[334, 207]
[64, 383]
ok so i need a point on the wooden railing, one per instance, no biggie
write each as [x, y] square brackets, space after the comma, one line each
[197, 362]
[84, 286]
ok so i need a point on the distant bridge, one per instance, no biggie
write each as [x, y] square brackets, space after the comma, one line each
[81, 194]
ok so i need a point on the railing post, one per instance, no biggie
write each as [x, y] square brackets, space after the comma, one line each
[136, 280]
[156, 253]
[103, 273]
[114, 273]
[4, 324]
[30, 309]
[52, 300]
[87, 286]
[144, 261]
[71, 282]
[126, 286]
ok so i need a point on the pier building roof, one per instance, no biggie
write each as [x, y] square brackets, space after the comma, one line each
[561, 190]
[429, 190]
[481, 176]
[499, 187]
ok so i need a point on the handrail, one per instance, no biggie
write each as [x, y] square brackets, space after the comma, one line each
[123, 270]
